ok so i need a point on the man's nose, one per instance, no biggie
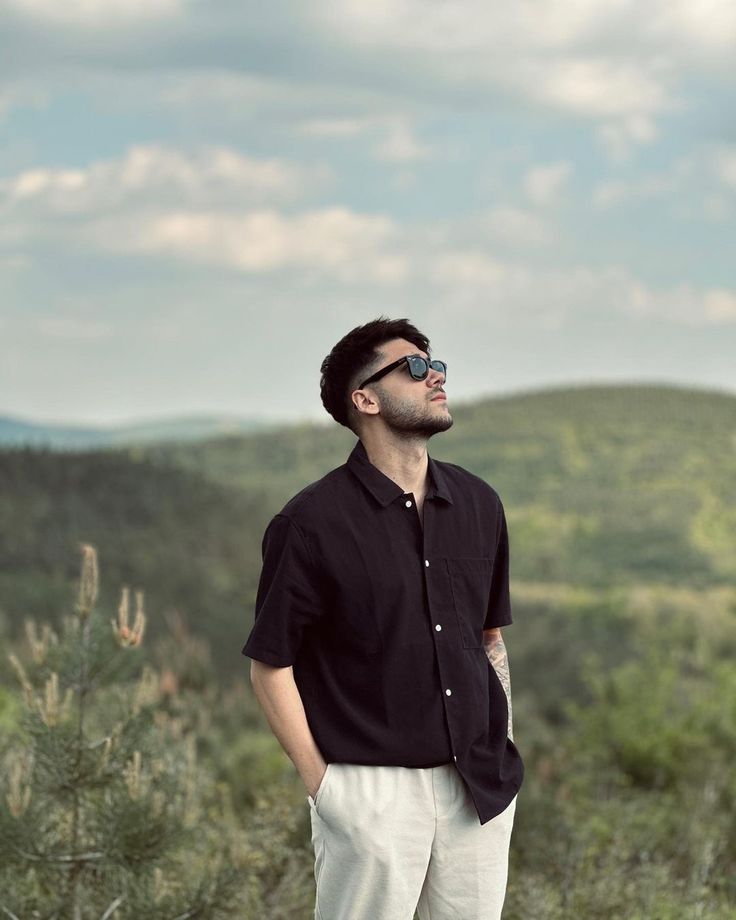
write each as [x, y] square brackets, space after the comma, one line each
[434, 377]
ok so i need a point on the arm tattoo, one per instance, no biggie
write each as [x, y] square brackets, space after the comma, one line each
[496, 651]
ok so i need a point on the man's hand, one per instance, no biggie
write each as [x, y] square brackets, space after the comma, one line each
[495, 649]
[276, 691]
[314, 789]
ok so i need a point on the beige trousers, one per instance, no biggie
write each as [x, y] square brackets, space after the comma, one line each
[391, 840]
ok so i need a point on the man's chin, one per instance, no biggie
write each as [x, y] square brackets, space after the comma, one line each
[447, 422]
[437, 426]
[420, 427]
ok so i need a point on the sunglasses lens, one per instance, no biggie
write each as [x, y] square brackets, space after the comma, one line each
[418, 367]
[439, 366]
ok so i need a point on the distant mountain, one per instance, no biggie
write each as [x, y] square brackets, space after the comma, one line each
[18, 432]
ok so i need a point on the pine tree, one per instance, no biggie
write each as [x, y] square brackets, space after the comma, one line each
[102, 811]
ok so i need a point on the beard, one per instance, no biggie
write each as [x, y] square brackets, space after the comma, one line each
[411, 419]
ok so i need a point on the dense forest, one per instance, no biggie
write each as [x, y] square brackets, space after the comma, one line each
[621, 504]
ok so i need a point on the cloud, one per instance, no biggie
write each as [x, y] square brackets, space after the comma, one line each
[514, 226]
[724, 165]
[337, 127]
[543, 184]
[603, 62]
[600, 87]
[392, 137]
[555, 26]
[620, 138]
[21, 94]
[218, 209]
[720, 306]
[156, 175]
[86, 13]
[467, 268]
[614, 192]
[682, 303]
[372, 252]
[334, 242]
[696, 181]
[552, 297]
[706, 27]
[400, 145]
[201, 207]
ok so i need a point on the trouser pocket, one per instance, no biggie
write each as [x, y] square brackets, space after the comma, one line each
[315, 802]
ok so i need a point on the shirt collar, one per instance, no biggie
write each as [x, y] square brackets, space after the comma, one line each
[385, 490]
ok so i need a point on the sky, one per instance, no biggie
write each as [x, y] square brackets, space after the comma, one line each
[199, 199]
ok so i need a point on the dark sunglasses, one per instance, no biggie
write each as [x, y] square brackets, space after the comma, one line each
[418, 368]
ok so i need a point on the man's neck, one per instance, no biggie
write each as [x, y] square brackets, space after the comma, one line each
[403, 460]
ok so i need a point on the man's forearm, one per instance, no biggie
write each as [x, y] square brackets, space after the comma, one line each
[278, 695]
[495, 649]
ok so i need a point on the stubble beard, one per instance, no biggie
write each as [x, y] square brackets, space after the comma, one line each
[408, 418]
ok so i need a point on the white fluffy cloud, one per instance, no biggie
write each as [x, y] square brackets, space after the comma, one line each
[154, 176]
[682, 303]
[706, 175]
[544, 183]
[555, 25]
[333, 242]
[201, 207]
[550, 297]
[400, 144]
[222, 210]
[390, 137]
[720, 306]
[621, 137]
[601, 87]
[615, 192]
[606, 61]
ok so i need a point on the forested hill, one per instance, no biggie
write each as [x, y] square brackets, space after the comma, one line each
[602, 485]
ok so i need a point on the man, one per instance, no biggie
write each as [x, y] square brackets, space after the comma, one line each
[377, 650]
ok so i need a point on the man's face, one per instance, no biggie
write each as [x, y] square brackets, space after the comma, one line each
[408, 405]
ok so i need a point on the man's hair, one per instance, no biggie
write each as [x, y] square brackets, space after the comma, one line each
[357, 356]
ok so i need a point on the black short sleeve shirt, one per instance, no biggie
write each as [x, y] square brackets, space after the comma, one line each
[382, 619]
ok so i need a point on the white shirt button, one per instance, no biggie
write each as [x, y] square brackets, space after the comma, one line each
[438, 627]
[426, 562]
[448, 692]
[408, 504]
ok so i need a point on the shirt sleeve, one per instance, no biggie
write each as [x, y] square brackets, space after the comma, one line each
[499, 601]
[288, 598]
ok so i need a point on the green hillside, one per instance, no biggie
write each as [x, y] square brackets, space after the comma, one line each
[622, 517]
[603, 486]
[191, 544]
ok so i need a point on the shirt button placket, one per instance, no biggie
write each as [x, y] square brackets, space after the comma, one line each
[448, 692]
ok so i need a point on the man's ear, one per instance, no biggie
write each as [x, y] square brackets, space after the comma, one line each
[364, 402]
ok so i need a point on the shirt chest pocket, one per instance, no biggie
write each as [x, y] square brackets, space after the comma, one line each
[470, 583]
